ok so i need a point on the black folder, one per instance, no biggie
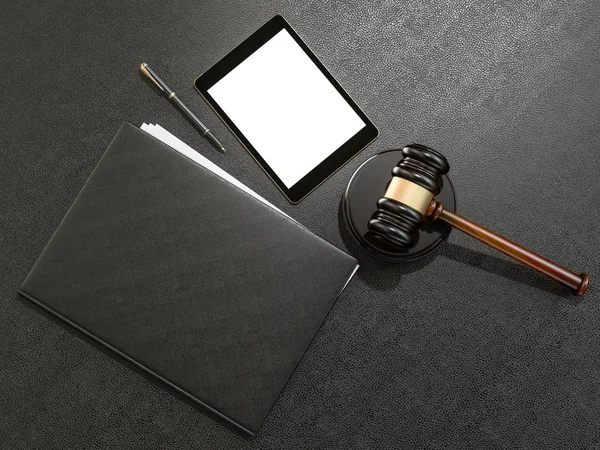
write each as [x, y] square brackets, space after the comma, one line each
[189, 277]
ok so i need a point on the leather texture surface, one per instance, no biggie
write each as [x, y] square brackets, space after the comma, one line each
[462, 350]
[189, 277]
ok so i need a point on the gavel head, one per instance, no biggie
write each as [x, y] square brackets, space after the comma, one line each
[400, 212]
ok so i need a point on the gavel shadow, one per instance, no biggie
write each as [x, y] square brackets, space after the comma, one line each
[504, 267]
[379, 275]
[384, 276]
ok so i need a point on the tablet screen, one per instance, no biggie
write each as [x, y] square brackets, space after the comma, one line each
[286, 108]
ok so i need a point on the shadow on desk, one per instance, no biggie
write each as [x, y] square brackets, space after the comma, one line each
[500, 265]
[384, 276]
[217, 421]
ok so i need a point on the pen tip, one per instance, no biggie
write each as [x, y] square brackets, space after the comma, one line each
[223, 149]
[142, 65]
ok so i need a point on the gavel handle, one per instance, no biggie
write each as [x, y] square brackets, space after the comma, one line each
[578, 282]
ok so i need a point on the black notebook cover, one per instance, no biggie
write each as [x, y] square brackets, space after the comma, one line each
[188, 277]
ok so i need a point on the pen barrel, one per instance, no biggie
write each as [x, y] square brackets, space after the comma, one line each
[156, 79]
[214, 141]
[189, 114]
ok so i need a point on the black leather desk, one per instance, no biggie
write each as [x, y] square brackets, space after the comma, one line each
[462, 350]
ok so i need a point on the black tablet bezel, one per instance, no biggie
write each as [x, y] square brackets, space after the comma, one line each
[330, 164]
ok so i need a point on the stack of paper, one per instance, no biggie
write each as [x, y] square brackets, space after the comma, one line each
[163, 135]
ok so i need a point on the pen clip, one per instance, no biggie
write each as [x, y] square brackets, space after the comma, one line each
[149, 75]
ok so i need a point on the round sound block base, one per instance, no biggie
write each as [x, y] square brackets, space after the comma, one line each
[367, 185]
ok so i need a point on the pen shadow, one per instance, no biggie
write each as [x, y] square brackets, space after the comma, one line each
[132, 367]
[384, 276]
[146, 80]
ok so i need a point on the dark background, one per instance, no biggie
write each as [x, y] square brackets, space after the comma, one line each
[462, 350]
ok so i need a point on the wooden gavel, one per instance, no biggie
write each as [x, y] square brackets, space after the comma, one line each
[408, 200]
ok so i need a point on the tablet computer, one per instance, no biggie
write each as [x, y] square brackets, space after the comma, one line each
[287, 110]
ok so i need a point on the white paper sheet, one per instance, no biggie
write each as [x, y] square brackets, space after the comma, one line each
[163, 135]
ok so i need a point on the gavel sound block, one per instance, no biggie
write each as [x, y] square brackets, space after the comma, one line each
[359, 203]
[409, 201]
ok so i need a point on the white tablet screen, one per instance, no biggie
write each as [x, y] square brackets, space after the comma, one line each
[288, 110]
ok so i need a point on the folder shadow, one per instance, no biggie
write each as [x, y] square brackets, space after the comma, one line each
[383, 276]
[133, 368]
